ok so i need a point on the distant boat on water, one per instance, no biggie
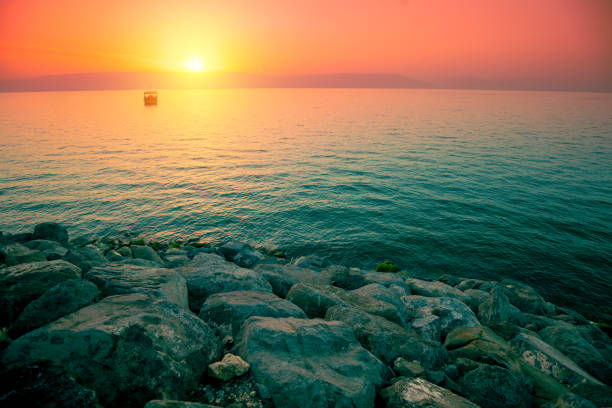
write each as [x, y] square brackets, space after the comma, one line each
[150, 98]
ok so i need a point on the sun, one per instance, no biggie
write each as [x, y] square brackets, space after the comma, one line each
[194, 65]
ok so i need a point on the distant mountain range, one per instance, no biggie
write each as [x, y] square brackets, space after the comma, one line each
[180, 80]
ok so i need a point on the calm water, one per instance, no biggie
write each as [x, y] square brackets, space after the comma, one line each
[474, 183]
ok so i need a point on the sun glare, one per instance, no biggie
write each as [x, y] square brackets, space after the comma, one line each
[194, 65]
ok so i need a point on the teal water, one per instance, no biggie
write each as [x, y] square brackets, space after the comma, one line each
[483, 184]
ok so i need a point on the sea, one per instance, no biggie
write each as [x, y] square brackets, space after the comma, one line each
[478, 184]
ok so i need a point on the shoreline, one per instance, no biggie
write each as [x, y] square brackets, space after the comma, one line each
[211, 324]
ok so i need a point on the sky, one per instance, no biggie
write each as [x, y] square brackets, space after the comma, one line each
[428, 40]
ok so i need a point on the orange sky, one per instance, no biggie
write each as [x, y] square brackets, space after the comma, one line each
[423, 39]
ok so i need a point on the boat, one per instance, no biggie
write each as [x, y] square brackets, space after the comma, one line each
[150, 98]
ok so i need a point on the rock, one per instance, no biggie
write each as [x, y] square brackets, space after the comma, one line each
[482, 345]
[85, 258]
[466, 284]
[81, 241]
[113, 256]
[128, 348]
[147, 253]
[52, 249]
[496, 309]
[340, 276]
[405, 368]
[177, 404]
[310, 262]
[548, 359]
[314, 300]
[388, 340]
[428, 327]
[570, 342]
[62, 299]
[229, 367]
[451, 313]
[173, 261]
[436, 289]
[240, 253]
[420, 393]
[15, 254]
[21, 284]
[526, 298]
[476, 297]
[496, 387]
[207, 274]
[283, 277]
[313, 363]
[233, 308]
[20, 237]
[116, 279]
[139, 262]
[386, 279]
[392, 294]
[600, 395]
[570, 400]
[125, 251]
[51, 231]
[43, 385]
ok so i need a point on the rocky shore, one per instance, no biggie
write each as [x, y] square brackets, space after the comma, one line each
[119, 322]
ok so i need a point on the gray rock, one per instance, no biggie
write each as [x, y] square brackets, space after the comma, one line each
[173, 261]
[485, 286]
[177, 404]
[496, 309]
[52, 249]
[476, 297]
[128, 348]
[386, 279]
[548, 359]
[43, 385]
[392, 294]
[62, 299]
[125, 251]
[405, 368]
[570, 342]
[428, 327]
[139, 262]
[229, 367]
[233, 308]
[451, 312]
[15, 254]
[526, 298]
[420, 393]
[310, 262]
[85, 257]
[283, 277]
[81, 241]
[207, 274]
[116, 279]
[496, 387]
[388, 340]
[341, 276]
[21, 284]
[313, 363]
[114, 256]
[600, 395]
[20, 237]
[436, 289]
[147, 253]
[570, 400]
[51, 231]
[240, 253]
[314, 300]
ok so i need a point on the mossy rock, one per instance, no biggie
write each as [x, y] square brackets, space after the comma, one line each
[387, 266]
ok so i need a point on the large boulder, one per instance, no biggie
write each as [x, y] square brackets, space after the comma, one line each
[314, 300]
[386, 279]
[21, 284]
[341, 276]
[526, 298]
[177, 404]
[85, 257]
[496, 309]
[392, 294]
[387, 340]
[310, 363]
[147, 253]
[115, 279]
[62, 299]
[283, 277]
[420, 393]
[436, 289]
[569, 340]
[15, 254]
[128, 348]
[43, 384]
[231, 309]
[51, 231]
[240, 253]
[496, 387]
[207, 274]
[51, 249]
[430, 313]
[545, 357]
[570, 400]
